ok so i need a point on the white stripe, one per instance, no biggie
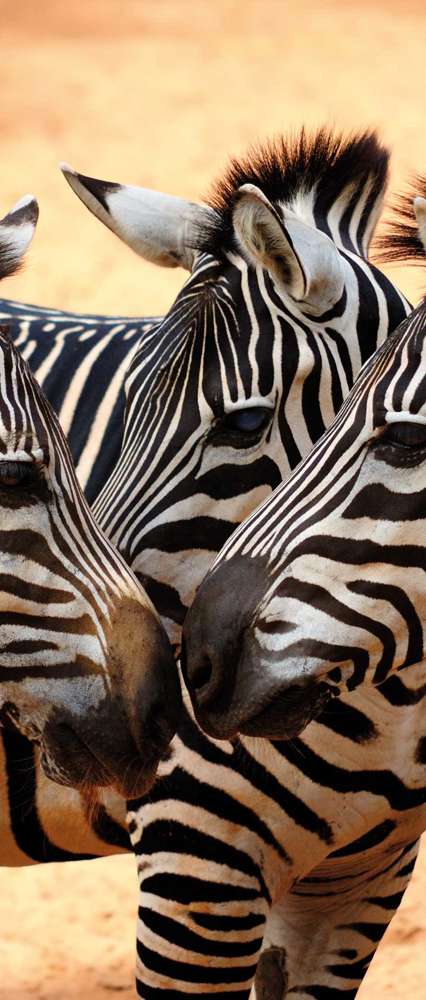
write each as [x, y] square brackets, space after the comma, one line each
[405, 417]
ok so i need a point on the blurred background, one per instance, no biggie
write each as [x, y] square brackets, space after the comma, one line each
[160, 93]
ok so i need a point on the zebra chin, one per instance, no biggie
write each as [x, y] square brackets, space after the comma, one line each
[77, 757]
[69, 762]
[108, 726]
[281, 715]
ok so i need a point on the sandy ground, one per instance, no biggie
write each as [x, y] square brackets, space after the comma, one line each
[159, 92]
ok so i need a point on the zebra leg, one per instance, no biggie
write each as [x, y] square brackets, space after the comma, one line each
[322, 936]
[202, 909]
[198, 933]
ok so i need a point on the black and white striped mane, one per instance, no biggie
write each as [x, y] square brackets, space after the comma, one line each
[401, 241]
[322, 167]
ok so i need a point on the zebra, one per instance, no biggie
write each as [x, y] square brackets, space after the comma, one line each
[220, 401]
[256, 355]
[321, 652]
[86, 672]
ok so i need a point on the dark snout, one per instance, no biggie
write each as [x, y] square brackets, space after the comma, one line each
[120, 738]
[214, 635]
[236, 685]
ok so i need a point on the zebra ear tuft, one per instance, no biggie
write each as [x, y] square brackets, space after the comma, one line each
[16, 232]
[158, 227]
[304, 262]
[420, 213]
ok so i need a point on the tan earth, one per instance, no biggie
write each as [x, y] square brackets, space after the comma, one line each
[159, 92]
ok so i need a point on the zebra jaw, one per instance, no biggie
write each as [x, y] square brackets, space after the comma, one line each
[287, 714]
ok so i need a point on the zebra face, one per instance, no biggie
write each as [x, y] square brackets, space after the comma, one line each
[254, 358]
[322, 589]
[86, 671]
[219, 409]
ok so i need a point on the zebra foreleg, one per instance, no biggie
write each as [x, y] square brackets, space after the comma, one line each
[197, 934]
[326, 931]
[208, 869]
[202, 909]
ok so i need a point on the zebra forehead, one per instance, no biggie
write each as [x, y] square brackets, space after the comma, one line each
[324, 162]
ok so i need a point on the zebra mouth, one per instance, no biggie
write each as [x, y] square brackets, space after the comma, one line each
[289, 712]
[69, 760]
[85, 771]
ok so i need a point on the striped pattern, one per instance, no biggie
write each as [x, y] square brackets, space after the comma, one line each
[186, 475]
[68, 680]
[326, 619]
[235, 341]
[81, 363]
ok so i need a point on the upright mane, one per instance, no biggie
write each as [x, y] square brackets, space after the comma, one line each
[401, 241]
[317, 168]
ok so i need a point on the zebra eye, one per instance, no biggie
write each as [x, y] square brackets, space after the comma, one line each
[405, 434]
[402, 444]
[14, 474]
[241, 428]
[254, 418]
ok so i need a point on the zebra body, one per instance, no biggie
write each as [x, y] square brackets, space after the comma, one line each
[223, 398]
[84, 663]
[81, 362]
[326, 638]
[310, 849]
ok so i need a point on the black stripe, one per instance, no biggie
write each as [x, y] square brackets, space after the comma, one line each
[372, 931]
[375, 836]
[390, 903]
[22, 797]
[174, 932]
[217, 922]
[347, 721]
[30, 591]
[174, 837]
[352, 970]
[396, 693]
[189, 890]
[158, 993]
[191, 973]
[383, 784]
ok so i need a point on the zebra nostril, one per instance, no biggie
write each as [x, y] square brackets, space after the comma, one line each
[202, 675]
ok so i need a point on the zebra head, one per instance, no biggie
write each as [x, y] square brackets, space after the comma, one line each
[323, 588]
[86, 670]
[255, 356]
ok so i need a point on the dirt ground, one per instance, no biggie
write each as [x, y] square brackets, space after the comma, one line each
[159, 92]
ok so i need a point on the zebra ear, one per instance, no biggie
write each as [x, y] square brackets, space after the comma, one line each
[158, 227]
[420, 213]
[304, 262]
[16, 232]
